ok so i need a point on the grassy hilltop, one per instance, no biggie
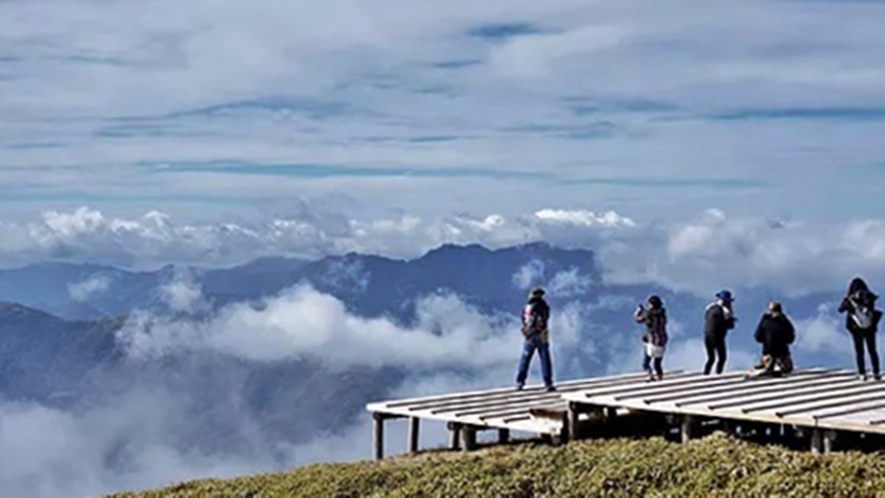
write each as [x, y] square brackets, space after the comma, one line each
[709, 467]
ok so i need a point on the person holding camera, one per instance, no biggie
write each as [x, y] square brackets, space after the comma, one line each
[655, 338]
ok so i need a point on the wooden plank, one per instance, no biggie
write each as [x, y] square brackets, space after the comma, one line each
[485, 417]
[702, 412]
[486, 412]
[511, 394]
[736, 401]
[791, 400]
[501, 390]
[824, 403]
[754, 390]
[479, 406]
[703, 393]
[651, 387]
[853, 408]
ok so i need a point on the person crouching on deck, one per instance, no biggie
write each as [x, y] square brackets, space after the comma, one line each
[655, 338]
[775, 332]
[535, 317]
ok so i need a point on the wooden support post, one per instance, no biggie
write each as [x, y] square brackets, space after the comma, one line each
[503, 436]
[565, 433]
[454, 435]
[572, 420]
[687, 428]
[378, 419]
[817, 445]
[414, 431]
[468, 438]
[829, 440]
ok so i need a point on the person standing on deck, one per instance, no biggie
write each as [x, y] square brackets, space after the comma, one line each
[862, 321]
[775, 332]
[535, 319]
[718, 320]
[655, 338]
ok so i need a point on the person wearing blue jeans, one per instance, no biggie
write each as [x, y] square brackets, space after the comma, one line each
[535, 318]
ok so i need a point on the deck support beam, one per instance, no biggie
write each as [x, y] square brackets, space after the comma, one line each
[414, 432]
[574, 411]
[503, 436]
[468, 438]
[829, 440]
[378, 420]
[687, 428]
[455, 435]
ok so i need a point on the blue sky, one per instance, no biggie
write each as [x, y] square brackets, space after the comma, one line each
[218, 112]
[602, 105]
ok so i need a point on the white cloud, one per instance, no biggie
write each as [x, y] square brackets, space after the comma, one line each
[824, 333]
[302, 322]
[82, 291]
[711, 251]
[529, 274]
[183, 292]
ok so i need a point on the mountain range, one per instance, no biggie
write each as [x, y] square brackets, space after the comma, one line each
[62, 325]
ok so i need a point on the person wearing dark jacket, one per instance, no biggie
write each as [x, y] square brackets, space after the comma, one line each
[862, 322]
[718, 320]
[535, 318]
[655, 338]
[775, 332]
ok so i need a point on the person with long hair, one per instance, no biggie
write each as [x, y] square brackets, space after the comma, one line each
[655, 338]
[862, 322]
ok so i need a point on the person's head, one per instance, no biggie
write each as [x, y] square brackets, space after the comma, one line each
[724, 297]
[775, 308]
[857, 285]
[655, 302]
[536, 293]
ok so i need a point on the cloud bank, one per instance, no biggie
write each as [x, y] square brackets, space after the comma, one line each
[711, 250]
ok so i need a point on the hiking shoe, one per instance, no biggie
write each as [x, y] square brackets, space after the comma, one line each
[550, 389]
[877, 376]
[862, 377]
[519, 387]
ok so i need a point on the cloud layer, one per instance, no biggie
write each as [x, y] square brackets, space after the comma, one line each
[711, 250]
[206, 107]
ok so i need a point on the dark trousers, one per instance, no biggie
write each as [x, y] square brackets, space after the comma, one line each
[860, 338]
[532, 343]
[715, 346]
[647, 363]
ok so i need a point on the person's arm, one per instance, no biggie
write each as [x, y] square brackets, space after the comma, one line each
[760, 335]
[640, 315]
[845, 305]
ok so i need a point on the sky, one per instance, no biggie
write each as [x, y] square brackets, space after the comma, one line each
[154, 132]
[208, 109]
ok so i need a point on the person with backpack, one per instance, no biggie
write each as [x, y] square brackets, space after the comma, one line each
[862, 322]
[655, 338]
[775, 332]
[718, 320]
[535, 318]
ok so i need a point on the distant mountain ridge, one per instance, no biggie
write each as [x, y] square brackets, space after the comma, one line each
[472, 271]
